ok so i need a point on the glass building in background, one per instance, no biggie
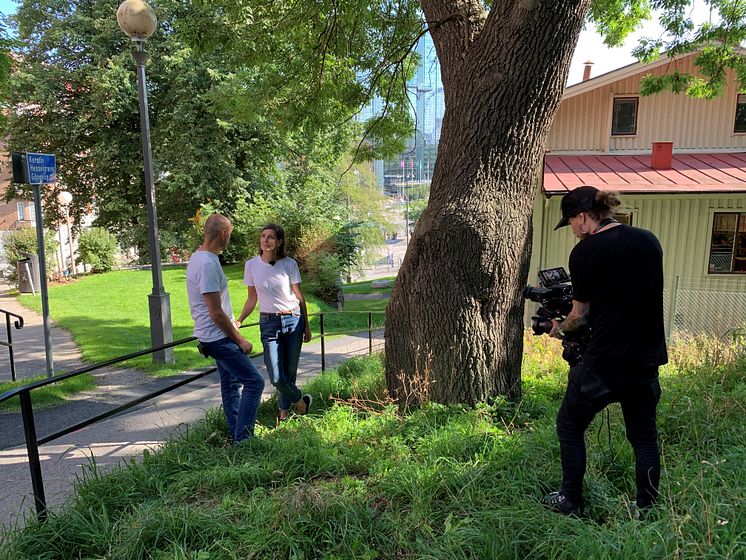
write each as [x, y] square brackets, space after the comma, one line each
[427, 106]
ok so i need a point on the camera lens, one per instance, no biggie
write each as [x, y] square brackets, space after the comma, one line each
[540, 325]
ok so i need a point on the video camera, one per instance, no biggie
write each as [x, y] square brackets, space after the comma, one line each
[554, 293]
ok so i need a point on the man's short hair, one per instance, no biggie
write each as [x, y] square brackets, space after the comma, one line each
[214, 224]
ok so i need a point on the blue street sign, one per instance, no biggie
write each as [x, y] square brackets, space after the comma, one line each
[42, 168]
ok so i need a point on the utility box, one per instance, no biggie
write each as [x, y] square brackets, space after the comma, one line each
[29, 280]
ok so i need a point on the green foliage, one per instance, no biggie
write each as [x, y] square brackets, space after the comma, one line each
[6, 64]
[347, 242]
[329, 222]
[615, 19]
[226, 131]
[718, 41]
[325, 277]
[359, 479]
[311, 67]
[19, 241]
[97, 248]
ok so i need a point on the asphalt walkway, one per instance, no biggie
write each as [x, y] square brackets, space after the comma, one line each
[122, 436]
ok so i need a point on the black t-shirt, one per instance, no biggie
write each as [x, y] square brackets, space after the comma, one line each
[619, 272]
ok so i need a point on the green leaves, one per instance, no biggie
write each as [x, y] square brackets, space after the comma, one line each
[718, 41]
[615, 19]
[310, 66]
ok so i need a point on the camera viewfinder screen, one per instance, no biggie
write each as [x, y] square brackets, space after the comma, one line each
[552, 276]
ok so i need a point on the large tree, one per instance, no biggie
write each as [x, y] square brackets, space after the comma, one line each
[454, 325]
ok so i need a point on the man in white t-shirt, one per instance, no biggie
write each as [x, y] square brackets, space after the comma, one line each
[210, 305]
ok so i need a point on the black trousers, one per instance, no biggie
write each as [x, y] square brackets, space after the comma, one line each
[589, 391]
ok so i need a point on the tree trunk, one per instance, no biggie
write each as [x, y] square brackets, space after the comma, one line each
[454, 328]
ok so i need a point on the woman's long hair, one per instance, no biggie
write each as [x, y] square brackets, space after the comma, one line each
[280, 234]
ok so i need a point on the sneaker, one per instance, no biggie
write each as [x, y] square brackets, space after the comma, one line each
[639, 513]
[557, 502]
[308, 399]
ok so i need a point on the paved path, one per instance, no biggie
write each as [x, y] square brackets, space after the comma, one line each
[28, 343]
[121, 436]
[397, 248]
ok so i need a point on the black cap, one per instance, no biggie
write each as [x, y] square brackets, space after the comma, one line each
[579, 200]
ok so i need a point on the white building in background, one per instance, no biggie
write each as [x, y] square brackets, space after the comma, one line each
[427, 106]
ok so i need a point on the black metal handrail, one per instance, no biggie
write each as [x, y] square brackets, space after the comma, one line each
[27, 412]
[19, 325]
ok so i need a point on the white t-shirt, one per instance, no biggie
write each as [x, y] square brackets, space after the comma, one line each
[203, 276]
[273, 283]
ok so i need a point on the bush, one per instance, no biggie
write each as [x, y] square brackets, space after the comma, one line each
[323, 273]
[97, 248]
[23, 240]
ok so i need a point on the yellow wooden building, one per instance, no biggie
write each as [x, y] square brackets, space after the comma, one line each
[679, 164]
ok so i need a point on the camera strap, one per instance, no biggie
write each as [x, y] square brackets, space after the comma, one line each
[603, 223]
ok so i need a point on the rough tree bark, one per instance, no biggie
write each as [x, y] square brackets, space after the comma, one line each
[454, 330]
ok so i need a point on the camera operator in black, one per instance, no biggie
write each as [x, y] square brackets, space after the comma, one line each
[617, 279]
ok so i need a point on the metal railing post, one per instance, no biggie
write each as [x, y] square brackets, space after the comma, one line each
[10, 348]
[32, 448]
[370, 333]
[323, 347]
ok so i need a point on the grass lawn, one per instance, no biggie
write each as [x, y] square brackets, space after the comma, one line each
[364, 287]
[107, 315]
[375, 305]
[361, 479]
[49, 395]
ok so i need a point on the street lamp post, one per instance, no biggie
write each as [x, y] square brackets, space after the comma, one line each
[137, 19]
[64, 199]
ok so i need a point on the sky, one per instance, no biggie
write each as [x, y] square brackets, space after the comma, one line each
[590, 46]
[7, 6]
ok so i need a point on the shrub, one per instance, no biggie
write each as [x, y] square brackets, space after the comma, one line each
[23, 240]
[97, 248]
[323, 272]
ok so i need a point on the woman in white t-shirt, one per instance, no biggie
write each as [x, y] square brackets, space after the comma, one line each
[274, 280]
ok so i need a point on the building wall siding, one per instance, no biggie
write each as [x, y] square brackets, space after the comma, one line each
[683, 224]
[583, 122]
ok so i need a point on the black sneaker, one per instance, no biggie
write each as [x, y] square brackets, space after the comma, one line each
[557, 502]
[308, 399]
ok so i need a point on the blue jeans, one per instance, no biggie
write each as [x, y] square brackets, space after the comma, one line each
[589, 391]
[236, 369]
[282, 337]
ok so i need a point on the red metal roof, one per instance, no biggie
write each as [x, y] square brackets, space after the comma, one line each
[689, 173]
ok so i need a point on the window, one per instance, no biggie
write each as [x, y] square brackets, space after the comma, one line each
[740, 125]
[625, 219]
[728, 244]
[624, 118]
[20, 209]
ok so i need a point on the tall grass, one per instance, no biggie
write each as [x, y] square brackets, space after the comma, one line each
[359, 479]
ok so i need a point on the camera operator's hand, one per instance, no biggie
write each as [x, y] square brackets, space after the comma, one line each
[556, 332]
